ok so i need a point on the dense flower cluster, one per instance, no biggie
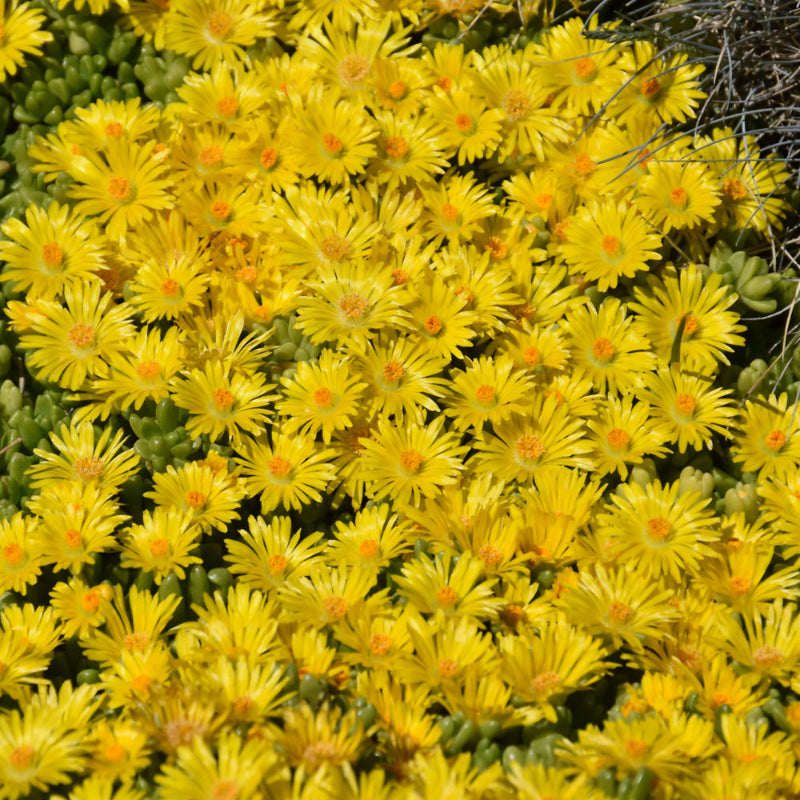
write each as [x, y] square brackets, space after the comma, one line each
[443, 384]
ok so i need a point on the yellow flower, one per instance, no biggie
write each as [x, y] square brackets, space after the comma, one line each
[80, 607]
[456, 207]
[50, 251]
[102, 122]
[768, 440]
[165, 542]
[215, 32]
[405, 462]
[76, 340]
[123, 185]
[168, 290]
[20, 35]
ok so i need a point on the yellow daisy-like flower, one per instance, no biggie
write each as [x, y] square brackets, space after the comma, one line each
[607, 345]
[222, 403]
[656, 90]
[543, 437]
[333, 140]
[21, 553]
[105, 464]
[678, 194]
[215, 31]
[225, 95]
[80, 607]
[213, 498]
[609, 241]
[658, 530]
[51, 250]
[267, 555]
[123, 186]
[323, 397]
[289, 473]
[348, 300]
[489, 391]
[400, 377]
[165, 542]
[768, 440]
[455, 208]
[405, 462]
[168, 290]
[688, 406]
[74, 342]
[95, 126]
[21, 34]
[710, 330]
[539, 351]
[623, 433]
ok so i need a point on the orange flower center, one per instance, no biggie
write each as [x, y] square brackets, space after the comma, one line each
[543, 200]
[445, 84]
[529, 447]
[449, 212]
[247, 274]
[334, 248]
[678, 197]
[279, 467]
[268, 157]
[398, 90]
[399, 277]
[170, 287]
[277, 564]
[380, 644]
[740, 584]
[115, 753]
[368, 549]
[220, 209]
[393, 371]
[81, 335]
[690, 326]
[532, 356]
[618, 438]
[686, 404]
[584, 67]
[396, 147]
[636, 748]
[485, 394]
[432, 324]
[119, 189]
[447, 597]
[13, 554]
[650, 87]
[52, 254]
[195, 499]
[719, 699]
[353, 68]
[73, 539]
[411, 460]
[610, 245]
[546, 682]
[774, 441]
[332, 144]
[219, 23]
[734, 188]
[89, 469]
[159, 548]
[137, 641]
[516, 104]
[227, 106]
[114, 129]
[513, 614]
[496, 248]
[448, 667]
[322, 397]
[141, 683]
[148, 369]
[464, 123]
[242, 705]
[490, 555]
[602, 349]
[335, 606]
[90, 602]
[353, 306]
[619, 612]
[223, 399]
[21, 757]
[658, 528]
[767, 656]
[584, 165]
[211, 154]
[224, 789]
